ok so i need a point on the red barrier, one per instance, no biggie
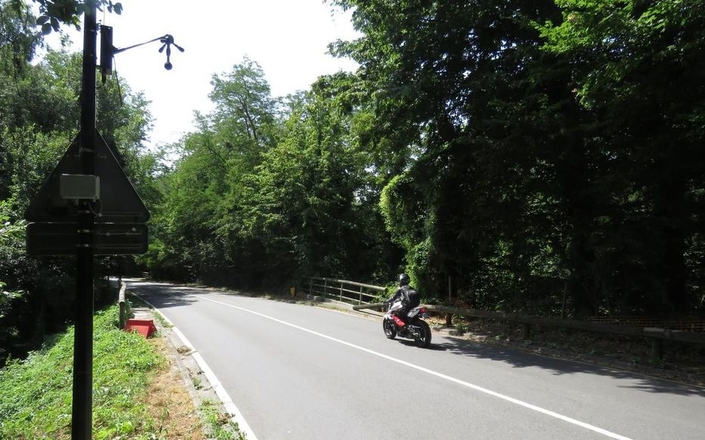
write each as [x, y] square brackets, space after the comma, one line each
[145, 327]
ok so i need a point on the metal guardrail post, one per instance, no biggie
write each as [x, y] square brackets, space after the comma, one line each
[122, 319]
[527, 330]
[656, 350]
[449, 316]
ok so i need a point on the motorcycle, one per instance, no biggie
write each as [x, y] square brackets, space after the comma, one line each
[412, 327]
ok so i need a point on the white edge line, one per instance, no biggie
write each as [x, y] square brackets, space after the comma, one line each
[223, 395]
[439, 375]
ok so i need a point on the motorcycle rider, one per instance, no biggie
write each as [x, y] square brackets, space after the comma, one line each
[409, 299]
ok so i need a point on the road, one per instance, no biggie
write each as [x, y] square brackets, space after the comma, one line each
[304, 373]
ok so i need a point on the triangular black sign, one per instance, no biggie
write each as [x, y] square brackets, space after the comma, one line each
[118, 203]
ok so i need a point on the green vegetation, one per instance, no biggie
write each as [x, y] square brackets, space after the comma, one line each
[35, 394]
[536, 155]
[133, 394]
[545, 157]
[220, 427]
[40, 117]
[542, 157]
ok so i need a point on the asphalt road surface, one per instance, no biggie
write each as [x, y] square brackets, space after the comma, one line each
[304, 373]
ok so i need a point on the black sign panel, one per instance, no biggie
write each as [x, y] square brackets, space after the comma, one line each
[66, 238]
[119, 202]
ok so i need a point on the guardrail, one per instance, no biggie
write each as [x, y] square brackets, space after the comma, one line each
[341, 290]
[655, 334]
[356, 293]
[689, 324]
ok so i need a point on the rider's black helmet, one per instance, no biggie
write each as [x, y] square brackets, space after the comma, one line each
[403, 279]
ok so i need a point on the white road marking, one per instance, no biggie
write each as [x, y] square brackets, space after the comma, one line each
[527, 405]
[223, 395]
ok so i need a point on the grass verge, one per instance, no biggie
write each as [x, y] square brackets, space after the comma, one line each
[137, 393]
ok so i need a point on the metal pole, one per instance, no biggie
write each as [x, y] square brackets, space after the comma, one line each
[82, 403]
[123, 307]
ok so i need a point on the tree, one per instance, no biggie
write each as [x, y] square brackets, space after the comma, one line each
[302, 203]
[543, 177]
[18, 39]
[54, 13]
[458, 109]
[203, 192]
[638, 65]
[245, 110]
[271, 189]
[40, 117]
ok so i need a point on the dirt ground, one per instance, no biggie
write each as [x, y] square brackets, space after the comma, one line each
[170, 400]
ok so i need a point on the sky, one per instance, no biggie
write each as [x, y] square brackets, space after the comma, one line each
[287, 38]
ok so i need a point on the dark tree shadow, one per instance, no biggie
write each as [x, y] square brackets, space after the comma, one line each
[523, 359]
[163, 295]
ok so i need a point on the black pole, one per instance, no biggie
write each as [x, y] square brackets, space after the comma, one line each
[82, 404]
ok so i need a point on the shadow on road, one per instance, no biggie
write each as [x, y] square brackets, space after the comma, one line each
[522, 359]
[163, 295]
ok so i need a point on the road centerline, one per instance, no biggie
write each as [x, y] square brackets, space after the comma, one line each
[437, 374]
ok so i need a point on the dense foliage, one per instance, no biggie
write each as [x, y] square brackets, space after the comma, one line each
[267, 190]
[555, 157]
[542, 156]
[39, 118]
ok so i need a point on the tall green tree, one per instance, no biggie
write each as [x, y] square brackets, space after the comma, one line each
[305, 203]
[639, 66]
[271, 189]
[458, 107]
[205, 188]
[18, 43]
[542, 177]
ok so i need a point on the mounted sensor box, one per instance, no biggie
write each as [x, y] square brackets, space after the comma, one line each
[79, 187]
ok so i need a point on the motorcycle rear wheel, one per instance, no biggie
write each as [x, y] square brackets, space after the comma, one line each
[389, 330]
[423, 339]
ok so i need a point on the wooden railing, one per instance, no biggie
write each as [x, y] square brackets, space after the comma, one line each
[362, 295]
[342, 290]
[655, 334]
[687, 324]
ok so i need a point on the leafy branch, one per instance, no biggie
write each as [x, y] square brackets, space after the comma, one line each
[53, 13]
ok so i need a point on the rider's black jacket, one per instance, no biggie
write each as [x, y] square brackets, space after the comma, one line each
[408, 296]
